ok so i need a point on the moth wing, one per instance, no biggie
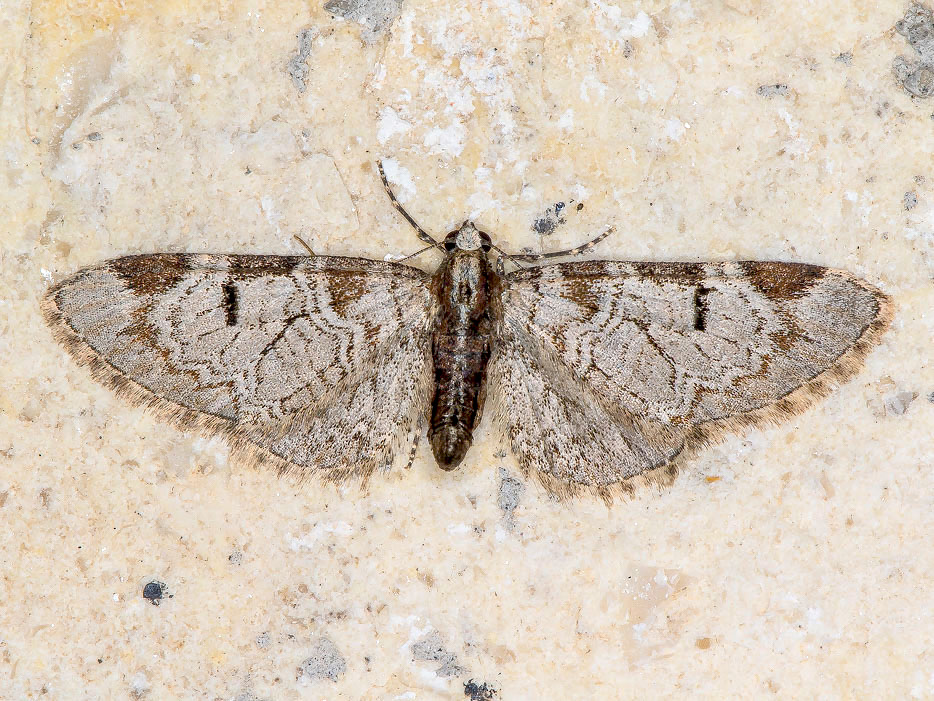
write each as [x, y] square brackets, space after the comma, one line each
[692, 343]
[363, 425]
[562, 432]
[243, 345]
[695, 349]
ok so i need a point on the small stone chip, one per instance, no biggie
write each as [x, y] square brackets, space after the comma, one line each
[325, 662]
[897, 403]
[431, 648]
[510, 492]
[776, 89]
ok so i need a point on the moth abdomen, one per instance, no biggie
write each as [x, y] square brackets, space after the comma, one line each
[449, 444]
[461, 347]
[460, 375]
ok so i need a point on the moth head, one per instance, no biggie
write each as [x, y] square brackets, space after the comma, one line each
[467, 237]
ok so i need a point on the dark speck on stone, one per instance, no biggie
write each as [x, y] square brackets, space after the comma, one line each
[95, 136]
[262, 640]
[774, 90]
[479, 692]
[235, 558]
[911, 201]
[325, 662]
[548, 222]
[846, 58]
[154, 592]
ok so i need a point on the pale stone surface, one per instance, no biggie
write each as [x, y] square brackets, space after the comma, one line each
[794, 561]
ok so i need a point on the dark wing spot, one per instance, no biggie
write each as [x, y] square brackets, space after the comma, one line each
[345, 287]
[782, 280]
[700, 307]
[151, 274]
[247, 266]
[231, 303]
[690, 273]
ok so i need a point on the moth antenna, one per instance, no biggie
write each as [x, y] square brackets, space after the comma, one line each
[500, 267]
[422, 234]
[417, 253]
[532, 257]
[302, 241]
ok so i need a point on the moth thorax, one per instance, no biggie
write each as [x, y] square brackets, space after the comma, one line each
[468, 238]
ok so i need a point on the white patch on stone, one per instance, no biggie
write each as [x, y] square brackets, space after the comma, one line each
[566, 121]
[390, 125]
[400, 177]
[674, 129]
[448, 141]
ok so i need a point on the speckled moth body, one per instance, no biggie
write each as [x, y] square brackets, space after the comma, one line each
[466, 289]
[601, 374]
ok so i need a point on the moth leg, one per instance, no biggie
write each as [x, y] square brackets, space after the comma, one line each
[501, 266]
[422, 234]
[532, 257]
[302, 241]
[418, 435]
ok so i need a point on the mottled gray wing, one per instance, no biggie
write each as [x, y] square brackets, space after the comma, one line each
[684, 349]
[260, 348]
[562, 431]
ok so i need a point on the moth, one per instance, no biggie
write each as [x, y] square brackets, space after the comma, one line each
[600, 373]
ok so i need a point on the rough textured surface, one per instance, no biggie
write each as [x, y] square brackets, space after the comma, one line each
[325, 662]
[804, 546]
[917, 74]
[431, 649]
[376, 16]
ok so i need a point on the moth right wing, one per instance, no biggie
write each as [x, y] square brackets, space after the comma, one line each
[653, 360]
[700, 342]
[255, 347]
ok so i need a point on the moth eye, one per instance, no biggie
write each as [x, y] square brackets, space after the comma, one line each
[450, 245]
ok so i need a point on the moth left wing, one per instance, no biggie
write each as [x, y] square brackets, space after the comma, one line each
[710, 346]
[363, 426]
[252, 346]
